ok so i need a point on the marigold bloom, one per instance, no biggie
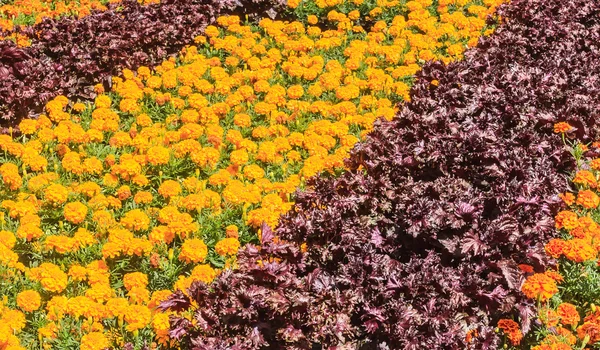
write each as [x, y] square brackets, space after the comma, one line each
[193, 250]
[589, 329]
[556, 247]
[512, 330]
[158, 155]
[232, 231]
[135, 279]
[29, 300]
[585, 178]
[562, 127]
[567, 220]
[539, 286]
[227, 246]
[588, 199]
[135, 220]
[75, 212]
[568, 198]
[579, 250]
[94, 341]
[568, 314]
[169, 189]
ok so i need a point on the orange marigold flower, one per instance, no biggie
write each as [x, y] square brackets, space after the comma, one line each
[567, 197]
[512, 330]
[595, 164]
[232, 231]
[562, 127]
[585, 178]
[135, 279]
[158, 155]
[135, 220]
[29, 300]
[556, 247]
[568, 314]
[566, 219]
[588, 199]
[539, 286]
[590, 329]
[526, 268]
[579, 250]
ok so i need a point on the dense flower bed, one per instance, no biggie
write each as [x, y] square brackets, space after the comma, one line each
[566, 293]
[28, 12]
[109, 207]
[68, 56]
[419, 245]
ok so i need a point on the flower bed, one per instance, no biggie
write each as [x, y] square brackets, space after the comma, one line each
[68, 56]
[19, 13]
[110, 206]
[419, 244]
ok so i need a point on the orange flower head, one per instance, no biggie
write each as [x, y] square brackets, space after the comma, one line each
[566, 219]
[562, 127]
[539, 286]
[556, 247]
[585, 178]
[512, 330]
[568, 198]
[568, 314]
[588, 199]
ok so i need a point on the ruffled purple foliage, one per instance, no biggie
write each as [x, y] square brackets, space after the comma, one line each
[420, 241]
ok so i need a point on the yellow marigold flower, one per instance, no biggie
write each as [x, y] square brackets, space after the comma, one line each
[61, 244]
[79, 107]
[7, 239]
[135, 279]
[143, 197]
[158, 155]
[137, 317]
[75, 212]
[15, 319]
[203, 273]
[193, 250]
[136, 220]
[52, 278]
[77, 273]
[227, 246]
[169, 189]
[94, 341]
[56, 194]
[579, 250]
[28, 126]
[102, 101]
[29, 300]
[29, 231]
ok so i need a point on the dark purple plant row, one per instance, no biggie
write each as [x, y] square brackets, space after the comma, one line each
[68, 56]
[420, 242]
